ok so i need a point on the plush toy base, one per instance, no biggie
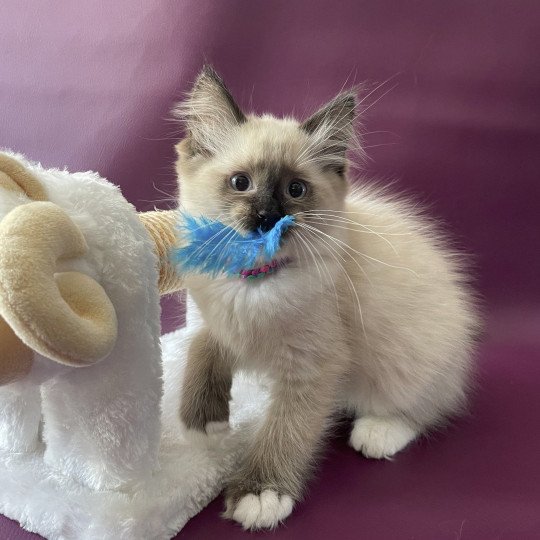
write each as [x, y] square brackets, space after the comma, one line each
[193, 470]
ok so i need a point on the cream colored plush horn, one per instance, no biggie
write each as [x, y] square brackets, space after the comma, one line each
[66, 317]
[14, 176]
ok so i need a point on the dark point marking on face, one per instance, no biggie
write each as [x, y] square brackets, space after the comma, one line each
[269, 195]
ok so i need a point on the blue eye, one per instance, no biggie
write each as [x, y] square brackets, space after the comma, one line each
[297, 189]
[240, 182]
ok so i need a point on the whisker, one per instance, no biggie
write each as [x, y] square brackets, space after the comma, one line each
[338, 219]
[314, 230]
[368, 231]
[324, 213]
[351, 285]
[379, 98]
[330, 277]
[369, 257]
[304, 253]
[311, 253]
[380, 86]
[381, 144]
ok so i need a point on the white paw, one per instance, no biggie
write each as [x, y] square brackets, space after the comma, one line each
[214, 428]
[378, 437]
[213, 434]
[264, 511]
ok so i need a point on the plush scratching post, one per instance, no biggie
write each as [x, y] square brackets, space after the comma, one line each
[85, 449]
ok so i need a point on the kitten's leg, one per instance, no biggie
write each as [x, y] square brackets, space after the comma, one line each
[381, 436]
[272, 476]
[207, 384]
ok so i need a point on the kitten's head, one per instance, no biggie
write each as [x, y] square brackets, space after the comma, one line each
[249, 171]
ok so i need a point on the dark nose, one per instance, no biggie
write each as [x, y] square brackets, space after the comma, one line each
[267, 220]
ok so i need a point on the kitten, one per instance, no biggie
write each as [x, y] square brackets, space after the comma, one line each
[368, 311]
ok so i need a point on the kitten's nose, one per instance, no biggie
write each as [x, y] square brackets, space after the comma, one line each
[267, 220]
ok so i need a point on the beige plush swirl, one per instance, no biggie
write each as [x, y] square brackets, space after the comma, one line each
[67, 317]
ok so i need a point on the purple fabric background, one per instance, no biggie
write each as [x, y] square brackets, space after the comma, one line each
[89, 85]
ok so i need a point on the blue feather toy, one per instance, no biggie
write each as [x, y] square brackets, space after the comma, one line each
[211, 247]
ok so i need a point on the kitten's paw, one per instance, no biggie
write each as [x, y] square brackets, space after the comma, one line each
[213, 434]
[217, 428]
[379, 437]
[264, 511]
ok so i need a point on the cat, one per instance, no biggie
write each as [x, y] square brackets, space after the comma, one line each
[368, 310]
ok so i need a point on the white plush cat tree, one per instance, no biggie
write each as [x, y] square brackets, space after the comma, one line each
[91, 446]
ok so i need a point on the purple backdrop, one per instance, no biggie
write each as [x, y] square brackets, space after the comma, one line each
[89, 85]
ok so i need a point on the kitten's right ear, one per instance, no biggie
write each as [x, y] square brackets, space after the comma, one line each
[331, 130]
[209, 113]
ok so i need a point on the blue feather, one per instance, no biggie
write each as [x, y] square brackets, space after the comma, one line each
[211, 247]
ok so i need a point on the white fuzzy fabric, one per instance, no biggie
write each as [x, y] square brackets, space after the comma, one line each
[98, 452]
[192, 473]
[101, 424]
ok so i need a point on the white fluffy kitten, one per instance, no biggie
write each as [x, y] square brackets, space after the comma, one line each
[368, 312]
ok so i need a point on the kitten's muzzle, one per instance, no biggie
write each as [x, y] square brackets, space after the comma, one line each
[265, 221]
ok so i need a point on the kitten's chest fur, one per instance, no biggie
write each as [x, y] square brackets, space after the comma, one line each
[260, 321]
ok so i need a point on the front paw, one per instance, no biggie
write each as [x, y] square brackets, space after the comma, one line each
[213, 434]
[256, 508]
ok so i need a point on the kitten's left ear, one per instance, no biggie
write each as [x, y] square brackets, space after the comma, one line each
[209, 113]
[332, 129]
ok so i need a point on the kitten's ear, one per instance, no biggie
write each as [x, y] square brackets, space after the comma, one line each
[332, 130]
[209, 113]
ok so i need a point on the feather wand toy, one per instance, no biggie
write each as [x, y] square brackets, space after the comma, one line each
[211, 247]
